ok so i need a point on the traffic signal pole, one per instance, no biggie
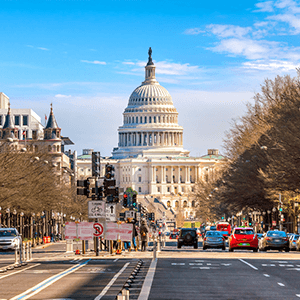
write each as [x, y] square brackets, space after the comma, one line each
[280, 213]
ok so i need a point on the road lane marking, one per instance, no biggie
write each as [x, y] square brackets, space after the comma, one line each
[18, 271]
[41, 286]
[111, 282]
[144, 294]
[266, 275]
[248, 264]
[281, 284]
[178, 264]
[116, 260]
[268, 265]
[298, 295]
[195, 264]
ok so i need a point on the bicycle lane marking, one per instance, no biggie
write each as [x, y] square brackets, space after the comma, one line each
[111, 282]
[41, 286]
[144, 294]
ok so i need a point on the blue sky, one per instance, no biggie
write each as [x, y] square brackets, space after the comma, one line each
[86, 57]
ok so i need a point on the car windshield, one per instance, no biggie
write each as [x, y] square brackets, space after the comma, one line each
[8, 232]
[296, 237]
[213, 228]
[276, 233]
[244, 231]
[214, 234]
[185, 232]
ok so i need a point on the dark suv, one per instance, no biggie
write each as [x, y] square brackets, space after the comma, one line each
[188, 237]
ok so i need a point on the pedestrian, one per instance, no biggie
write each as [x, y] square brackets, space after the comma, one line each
[144, 235]
[134, 235]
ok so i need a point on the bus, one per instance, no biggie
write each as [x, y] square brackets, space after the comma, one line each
[225, 227]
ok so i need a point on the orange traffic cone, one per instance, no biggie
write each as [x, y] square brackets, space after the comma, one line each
[77, 251]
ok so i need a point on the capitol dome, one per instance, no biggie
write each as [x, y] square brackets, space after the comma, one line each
[150, 121]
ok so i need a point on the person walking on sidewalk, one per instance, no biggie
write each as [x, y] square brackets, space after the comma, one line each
[144, 235]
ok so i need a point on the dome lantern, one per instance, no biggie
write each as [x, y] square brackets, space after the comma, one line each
[150, 70]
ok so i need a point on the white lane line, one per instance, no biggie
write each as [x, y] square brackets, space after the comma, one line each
[18, 271]
[41, 286]
[266, 275]
[248, 264]
[144, 294]
[111, 282]
[116, 260]
[281, 284]
[178, 264]
[298, 295]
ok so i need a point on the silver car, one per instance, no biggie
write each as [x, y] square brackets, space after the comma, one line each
[10, 239]
[214, 239]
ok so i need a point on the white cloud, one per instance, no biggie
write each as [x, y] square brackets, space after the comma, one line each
[261, 24]
[225, 31]
[128, 63]
[62, 96]
[193, 31]
[264, 6]
[271, 65]
[249, 48]
[44, 49]
[290, 19]
[95, 62]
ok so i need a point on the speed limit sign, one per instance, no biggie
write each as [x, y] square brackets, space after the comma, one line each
[98, 229]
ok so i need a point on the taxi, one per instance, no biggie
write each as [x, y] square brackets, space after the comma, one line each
[243, 238]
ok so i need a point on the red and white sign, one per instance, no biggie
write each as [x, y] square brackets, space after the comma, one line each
[116, 231]
[81, 230]
[98, 229]
[70, 231]
[273, 223]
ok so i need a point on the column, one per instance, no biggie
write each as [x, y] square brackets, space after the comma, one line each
[185, 174]
[153, 174]
[163, 139]
[172, 181]
[142, 138]
[178, 172]
[136, 139]
[162, 172]
[196, 174]
[188, 175]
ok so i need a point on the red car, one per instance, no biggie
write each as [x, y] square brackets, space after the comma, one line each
[243, 238]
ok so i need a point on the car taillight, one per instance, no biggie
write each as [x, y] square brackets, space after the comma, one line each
[268, 239]
[204, 239]
[223, 238]
[286, 239]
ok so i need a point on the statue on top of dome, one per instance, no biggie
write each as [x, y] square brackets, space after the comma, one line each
[150, 62]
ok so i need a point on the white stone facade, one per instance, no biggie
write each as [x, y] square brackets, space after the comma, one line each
[150, 156]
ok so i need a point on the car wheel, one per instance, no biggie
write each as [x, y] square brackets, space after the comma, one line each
[230, 249]
[223, 248]
[196, 246]
[204, 248]
[255, 250]
[287, 249]
[178, 246]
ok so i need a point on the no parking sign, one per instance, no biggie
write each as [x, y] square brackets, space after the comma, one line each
[98, 229]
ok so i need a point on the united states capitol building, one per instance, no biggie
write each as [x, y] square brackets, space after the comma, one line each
[150, 156]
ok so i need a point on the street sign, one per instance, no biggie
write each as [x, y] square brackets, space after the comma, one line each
[98, 229]
[111, 212]
[129, 214]
[96, 209]
[273, 223]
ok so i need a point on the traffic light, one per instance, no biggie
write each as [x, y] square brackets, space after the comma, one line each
[109, 172]
[250, 221]
[96, 164]
[143, 212]
[282, 218]
[152, 216]
[84, 187]
[134, 201]
[125, 200]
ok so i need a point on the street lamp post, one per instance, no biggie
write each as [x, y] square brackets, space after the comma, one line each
[269, 212]
[8, 217]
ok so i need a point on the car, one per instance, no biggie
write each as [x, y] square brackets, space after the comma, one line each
[187, 237]
[275, 240]
[173, 236]
[293, 241]
[10, 239]
[243, 238]
[214, 239]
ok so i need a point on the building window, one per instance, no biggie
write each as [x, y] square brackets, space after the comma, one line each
[140, 170]
[158, 119]
[145, 120]
[34, 134]
[180, 169]
[193, 203]
[168, 189]
[17, 120]
[25, 120]
[140, 189]
[49, 148]
[182, 189]
[176, 204]
[150, 120]
[154, 119]
[141, 121]
[158, 189]
[0, 120]
[169, 204]
[166, 169]
[140, 179]
[136, 119]
[184, 203]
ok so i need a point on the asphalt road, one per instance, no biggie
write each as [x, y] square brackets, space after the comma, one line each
[184, 273]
